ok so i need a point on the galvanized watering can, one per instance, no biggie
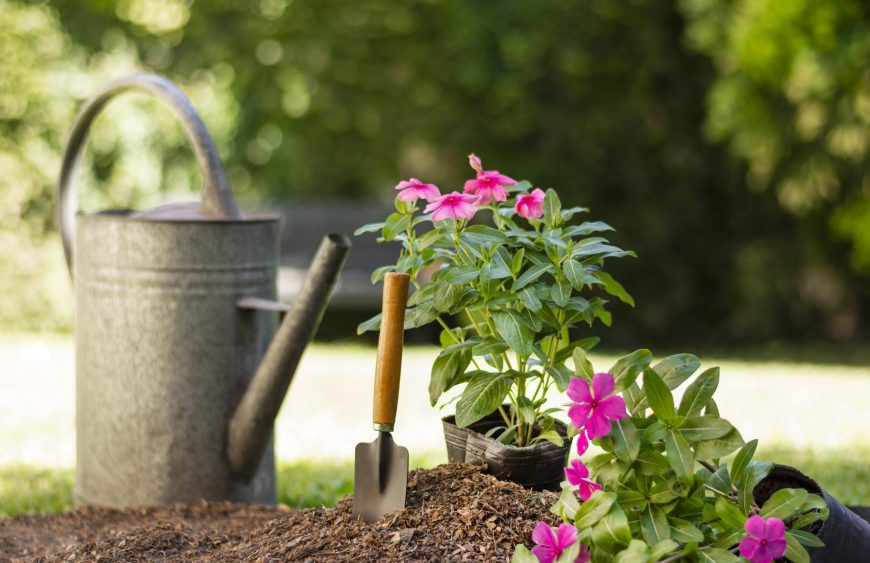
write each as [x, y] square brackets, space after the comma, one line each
[179, 370]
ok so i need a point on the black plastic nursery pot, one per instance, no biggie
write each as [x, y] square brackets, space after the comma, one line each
[846, 535]
[540, 466]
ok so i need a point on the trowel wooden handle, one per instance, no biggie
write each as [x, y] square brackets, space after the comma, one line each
[389, 362]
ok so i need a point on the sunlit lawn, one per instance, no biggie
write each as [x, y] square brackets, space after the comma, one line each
[809, 416]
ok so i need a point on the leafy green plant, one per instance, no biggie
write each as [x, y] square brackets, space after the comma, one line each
[660, 491]
[519, 287]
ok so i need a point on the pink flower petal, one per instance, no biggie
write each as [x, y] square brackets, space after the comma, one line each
[588, 487]
[543, 534]
[443, 212]
[602, 385]
[544, 554]
[566, 535]
[576, 472]
[582, 443]
[579, 414]
[613, 408]
[583, 557]
[748, 547]
[578, 390]
[597, 426]
[755, 526]
[774, 529]
[475, 163]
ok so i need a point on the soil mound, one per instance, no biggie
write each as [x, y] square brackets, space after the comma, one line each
[452, 513]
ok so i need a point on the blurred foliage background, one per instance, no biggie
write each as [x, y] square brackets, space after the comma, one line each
[726, 140]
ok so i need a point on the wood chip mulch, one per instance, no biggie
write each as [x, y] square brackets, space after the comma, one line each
[452, 513]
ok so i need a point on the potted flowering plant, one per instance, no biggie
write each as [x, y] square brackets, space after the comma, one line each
[661, 490]
[517, 286]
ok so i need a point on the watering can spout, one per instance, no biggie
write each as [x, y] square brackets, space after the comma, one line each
[251, 425]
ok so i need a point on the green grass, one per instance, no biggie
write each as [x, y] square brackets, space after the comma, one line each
[302, 484]
[32, 490]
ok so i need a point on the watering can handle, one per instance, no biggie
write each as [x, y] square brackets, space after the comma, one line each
[217, 197]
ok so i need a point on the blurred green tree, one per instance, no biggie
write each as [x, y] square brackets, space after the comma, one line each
[603, 100]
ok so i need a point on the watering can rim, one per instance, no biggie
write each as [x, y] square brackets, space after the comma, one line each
[128, 215]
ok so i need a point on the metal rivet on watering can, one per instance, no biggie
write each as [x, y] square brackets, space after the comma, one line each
[178, 376]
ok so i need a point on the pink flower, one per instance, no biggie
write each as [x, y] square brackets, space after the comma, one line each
[766, 539]
[578, 475]
[453, 206]
[550, 545]
[582, 443]
[414, 189]
[475, 163]
[488, 186]
[530, 206]
[595, 408]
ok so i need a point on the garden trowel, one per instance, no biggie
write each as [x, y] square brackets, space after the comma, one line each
[381, 467]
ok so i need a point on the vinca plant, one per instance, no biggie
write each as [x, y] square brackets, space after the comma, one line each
[660, 490]
[507, 274]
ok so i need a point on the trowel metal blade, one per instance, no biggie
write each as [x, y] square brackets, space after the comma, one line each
[380, 477]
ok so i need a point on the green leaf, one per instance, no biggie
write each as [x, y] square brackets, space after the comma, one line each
[446, 368]
[679, 455]
[552, 209]
[719, 447]
[379, 273]
[529, 297]
[626, 368]
[523, 555]
[663, 492]
[612, 530]
[587, 227]
[560, 293]
[659, 396]
[395, 224]
[577, 274]
[684, 531]
[637, 552]
[794, 551]
[594, 509]
[783, 503]
[459, 274]
[514, 331]
[663, 548]
[706, 427]
[561, 377]
[370, 228]
[481, 397]
[570, 554]
[567, 505]
[650, 463]
[741, 461]
[549, 436]
[730, 514]
[720, 480]
[614, 288]
[654, 525]
[806, 538]
[531, 274]
[699, 393]
[446, 296]
[486, 235]
[717, 555]
[517, 261]
[373, 323]
[677, 368]
[582, 365]
[626, 439]
[753, 474]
